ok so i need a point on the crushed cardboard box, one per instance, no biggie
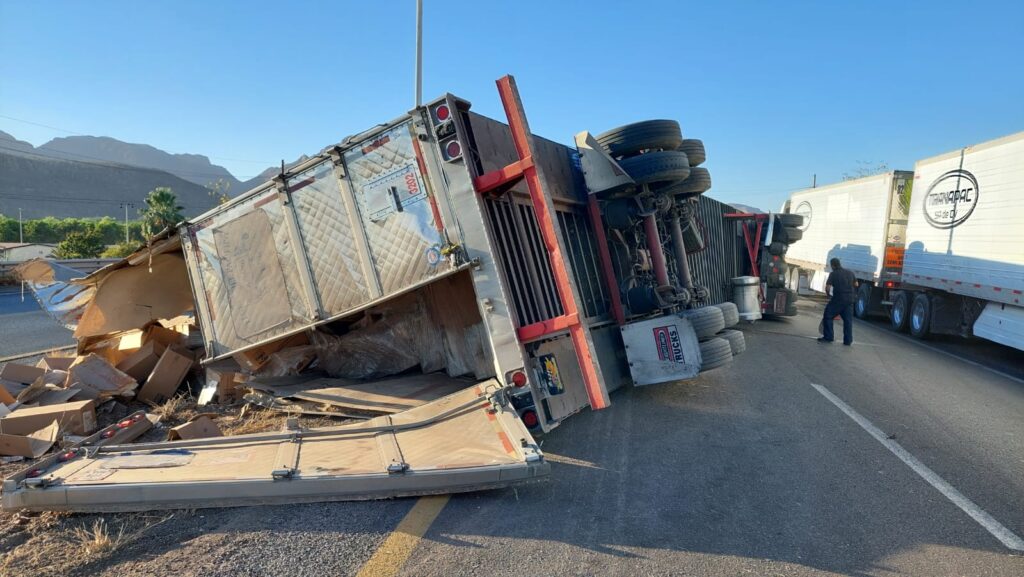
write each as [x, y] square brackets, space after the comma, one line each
[55, 363]
[78, 417]
[95, 372]
[167, 375]
[140, 364]
[199, 427]
[19, 373]
[33, 445]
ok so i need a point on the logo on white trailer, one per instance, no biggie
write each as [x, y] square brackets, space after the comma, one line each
[951, 199]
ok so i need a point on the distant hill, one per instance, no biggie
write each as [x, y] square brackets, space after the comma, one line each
[194, 168]
[44, 186]
[92, 175]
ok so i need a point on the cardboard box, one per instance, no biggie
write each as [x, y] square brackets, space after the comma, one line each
[200, 427]
[32, 445]
[168, 373]
[55, 363]
[6, 398]
[140, 364]
[254, 359]
[19, 373]
[95, 372]
[77, 417]
[164, 336]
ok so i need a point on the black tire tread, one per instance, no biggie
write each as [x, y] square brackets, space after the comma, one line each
[698, 182]
[714, 353]
[706, 321]
[660, 166]
[736, 339]
[694, 150]
[647, 135]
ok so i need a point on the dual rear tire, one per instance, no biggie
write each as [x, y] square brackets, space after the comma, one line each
[911, 312]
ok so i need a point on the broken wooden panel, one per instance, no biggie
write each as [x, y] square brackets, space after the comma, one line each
[462, 442]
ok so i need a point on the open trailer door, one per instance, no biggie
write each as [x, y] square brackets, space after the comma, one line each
[467, 441]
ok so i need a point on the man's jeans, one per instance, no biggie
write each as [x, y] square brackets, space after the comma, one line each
[843, 308]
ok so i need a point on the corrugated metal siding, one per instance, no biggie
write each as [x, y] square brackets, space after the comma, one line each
[719, 261]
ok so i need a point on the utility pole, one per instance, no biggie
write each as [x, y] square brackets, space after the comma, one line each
[814, 181]
[126, 205]
[21, 234]
[419, 53]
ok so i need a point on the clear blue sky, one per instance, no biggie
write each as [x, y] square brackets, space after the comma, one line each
[778, 91]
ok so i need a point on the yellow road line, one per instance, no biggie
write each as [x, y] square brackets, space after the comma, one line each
[394, 552]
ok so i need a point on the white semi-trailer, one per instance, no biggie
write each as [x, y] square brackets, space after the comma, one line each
[863, 223]
[940, 248]
[963, 269]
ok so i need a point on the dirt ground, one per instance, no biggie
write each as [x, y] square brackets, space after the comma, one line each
[54, 543]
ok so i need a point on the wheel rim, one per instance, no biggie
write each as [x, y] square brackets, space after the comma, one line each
[861, 305]
[897, 312]
[917, 318]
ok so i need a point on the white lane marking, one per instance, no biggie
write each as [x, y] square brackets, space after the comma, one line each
[1005, 536]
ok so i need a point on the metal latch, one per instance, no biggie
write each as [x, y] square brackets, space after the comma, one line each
[40, 482]
[282, 474]
[398, 468]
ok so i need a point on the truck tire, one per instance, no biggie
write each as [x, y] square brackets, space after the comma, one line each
[714, 353]
[730, 314]
[706, 321]
[899, 312]
[694, 150]
[648, 135]
[654, 167]
[793, 234]
[862, 306]
[698, 182]
[736, 340]
[920, 316]
[792, 220]
[777, 248]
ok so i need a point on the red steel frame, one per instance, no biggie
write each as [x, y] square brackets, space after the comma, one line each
[604, 255]
[524, 169]
[752, 243]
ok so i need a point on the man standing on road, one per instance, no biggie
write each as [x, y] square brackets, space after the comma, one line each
[840, 285]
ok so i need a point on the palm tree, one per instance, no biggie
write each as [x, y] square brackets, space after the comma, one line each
[162, 210]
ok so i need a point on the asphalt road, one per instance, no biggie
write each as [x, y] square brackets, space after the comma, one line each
[749, 470]
[25, 328]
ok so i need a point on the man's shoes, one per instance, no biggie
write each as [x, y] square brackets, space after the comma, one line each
[847, 344]
[824, 340]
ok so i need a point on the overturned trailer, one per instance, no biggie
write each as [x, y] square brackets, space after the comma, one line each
[441, 241]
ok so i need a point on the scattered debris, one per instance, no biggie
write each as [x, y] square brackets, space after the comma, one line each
[199, 427]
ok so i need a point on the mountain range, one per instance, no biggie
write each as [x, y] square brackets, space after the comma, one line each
[91, 176]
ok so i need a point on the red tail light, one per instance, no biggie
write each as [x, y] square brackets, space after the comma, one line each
[452, 150]
[442, 113]
[519, 379]
[530, 418]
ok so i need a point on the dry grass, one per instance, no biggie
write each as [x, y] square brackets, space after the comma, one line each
[177, 409]
[98, 539]
[253, 419]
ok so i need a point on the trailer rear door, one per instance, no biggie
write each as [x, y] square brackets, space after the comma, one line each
[463, 442]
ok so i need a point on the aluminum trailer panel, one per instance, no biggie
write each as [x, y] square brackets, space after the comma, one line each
[849, 220]
[464, 442]
[966, 228]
